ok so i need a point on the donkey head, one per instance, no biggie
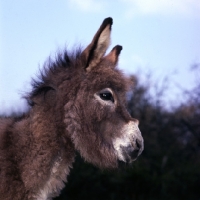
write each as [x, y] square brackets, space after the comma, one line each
[92, 91]
[97, 121]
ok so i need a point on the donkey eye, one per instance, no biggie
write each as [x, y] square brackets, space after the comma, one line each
[106, 96]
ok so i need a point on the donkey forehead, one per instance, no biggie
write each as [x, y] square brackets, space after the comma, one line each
[105, 77]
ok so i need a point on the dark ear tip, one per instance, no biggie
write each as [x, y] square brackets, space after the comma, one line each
[107, 21]
[118, 49]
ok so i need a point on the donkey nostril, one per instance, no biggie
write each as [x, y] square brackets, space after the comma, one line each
[138, 144]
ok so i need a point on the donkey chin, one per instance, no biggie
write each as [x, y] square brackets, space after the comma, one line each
[130, 145]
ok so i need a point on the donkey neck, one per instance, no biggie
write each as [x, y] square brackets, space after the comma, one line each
[50, 153]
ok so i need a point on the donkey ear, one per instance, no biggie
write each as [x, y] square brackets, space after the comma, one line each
[114, 55]
[97, 48]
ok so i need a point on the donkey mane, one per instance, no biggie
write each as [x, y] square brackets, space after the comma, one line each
[54, 68]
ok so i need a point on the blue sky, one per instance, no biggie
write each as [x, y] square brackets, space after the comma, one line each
[157, 35]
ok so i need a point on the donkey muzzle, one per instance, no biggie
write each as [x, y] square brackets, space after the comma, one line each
[130, 145]
[132, 151]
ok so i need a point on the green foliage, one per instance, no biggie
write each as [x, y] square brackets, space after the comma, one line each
[169, 167]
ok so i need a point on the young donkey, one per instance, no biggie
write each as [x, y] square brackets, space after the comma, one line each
[77, 104]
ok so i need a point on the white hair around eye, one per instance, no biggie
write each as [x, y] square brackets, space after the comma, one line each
[106, 97]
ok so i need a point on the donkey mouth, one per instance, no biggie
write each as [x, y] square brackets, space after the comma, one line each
[129, 154]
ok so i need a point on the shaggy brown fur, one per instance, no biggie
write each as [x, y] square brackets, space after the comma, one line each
[78, 103]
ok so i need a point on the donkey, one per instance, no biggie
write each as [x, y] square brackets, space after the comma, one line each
[77, 104]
